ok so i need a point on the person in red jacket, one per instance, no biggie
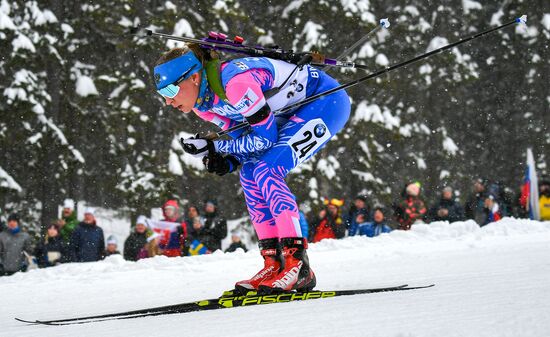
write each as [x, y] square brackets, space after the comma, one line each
[411, 208]
[175, 243]
[330, 224]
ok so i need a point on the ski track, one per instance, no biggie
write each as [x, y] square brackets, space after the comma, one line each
[489, 282]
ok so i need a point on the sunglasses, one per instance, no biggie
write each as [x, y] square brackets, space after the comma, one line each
[171, 90]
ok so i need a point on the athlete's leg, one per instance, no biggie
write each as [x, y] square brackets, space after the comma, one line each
[264, 224]
[260, 215]
[281, 201]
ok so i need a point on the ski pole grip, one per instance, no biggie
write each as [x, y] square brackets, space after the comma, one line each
[211, 136]
[140, 32]
[307, 58]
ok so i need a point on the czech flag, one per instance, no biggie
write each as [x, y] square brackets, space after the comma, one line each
[530, 190]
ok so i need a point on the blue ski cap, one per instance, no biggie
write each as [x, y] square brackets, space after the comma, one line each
[182, 67]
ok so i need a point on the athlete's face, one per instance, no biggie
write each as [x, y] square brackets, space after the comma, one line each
[187, 96]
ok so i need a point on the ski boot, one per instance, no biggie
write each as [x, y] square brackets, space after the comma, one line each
[273, 261]
[296, 274]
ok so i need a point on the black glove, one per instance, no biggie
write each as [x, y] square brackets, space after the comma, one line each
[197, 146]
[216, 163]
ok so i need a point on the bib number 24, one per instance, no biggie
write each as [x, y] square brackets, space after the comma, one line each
[309, 139]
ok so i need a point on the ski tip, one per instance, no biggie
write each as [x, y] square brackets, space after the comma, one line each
[522, 19]
[25, 321]
[385, 23]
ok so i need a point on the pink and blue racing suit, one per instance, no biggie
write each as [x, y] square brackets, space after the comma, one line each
[273, 145]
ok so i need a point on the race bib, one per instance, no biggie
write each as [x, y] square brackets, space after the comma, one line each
[309, 139]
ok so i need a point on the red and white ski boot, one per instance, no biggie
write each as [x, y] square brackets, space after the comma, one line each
[296, 273]
[270, 249]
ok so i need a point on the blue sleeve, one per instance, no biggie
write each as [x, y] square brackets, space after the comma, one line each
[353, 229]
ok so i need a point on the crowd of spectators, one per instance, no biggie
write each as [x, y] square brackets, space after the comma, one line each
[201, 230]
[70, 240]
[488, 202]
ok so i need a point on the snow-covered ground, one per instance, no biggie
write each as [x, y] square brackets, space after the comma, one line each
[489, 282]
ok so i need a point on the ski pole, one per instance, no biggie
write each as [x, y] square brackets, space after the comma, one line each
[521, 20]
[384, 23]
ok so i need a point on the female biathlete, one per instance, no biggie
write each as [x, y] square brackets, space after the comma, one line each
[271, 147]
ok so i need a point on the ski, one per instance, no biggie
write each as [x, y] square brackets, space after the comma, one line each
[227, 300]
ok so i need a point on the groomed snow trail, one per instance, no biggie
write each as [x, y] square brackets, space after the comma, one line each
[491, 281]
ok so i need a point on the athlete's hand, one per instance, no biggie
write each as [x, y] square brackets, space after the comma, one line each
[216, 163]
[197, 147]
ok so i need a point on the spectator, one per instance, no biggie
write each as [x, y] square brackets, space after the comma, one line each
[236, 243]
[112, 245]
[87, 242]
[475, 206]
[137, 240]
[68, 221]
[329, 224]
[446, 209]
[173, 243]
[370, 229]
[211, 229]
[544, 200]
[491, 210]
[411, 208]
[502, 195]
[359, 207]
[196, 247]
[52, 249]
[192, 212]
[151, 248]
[14, 243]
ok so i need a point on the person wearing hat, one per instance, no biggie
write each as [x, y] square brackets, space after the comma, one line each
[329, 224]
[236, 242]
[447, 208]
[68, 221]
[411, 208]
[137, 239]
[87, 241]
[51, 250]
[14, 243]
[176, 242]
[359, 206]
[250, 89]
[112, 245]
[475, 205]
